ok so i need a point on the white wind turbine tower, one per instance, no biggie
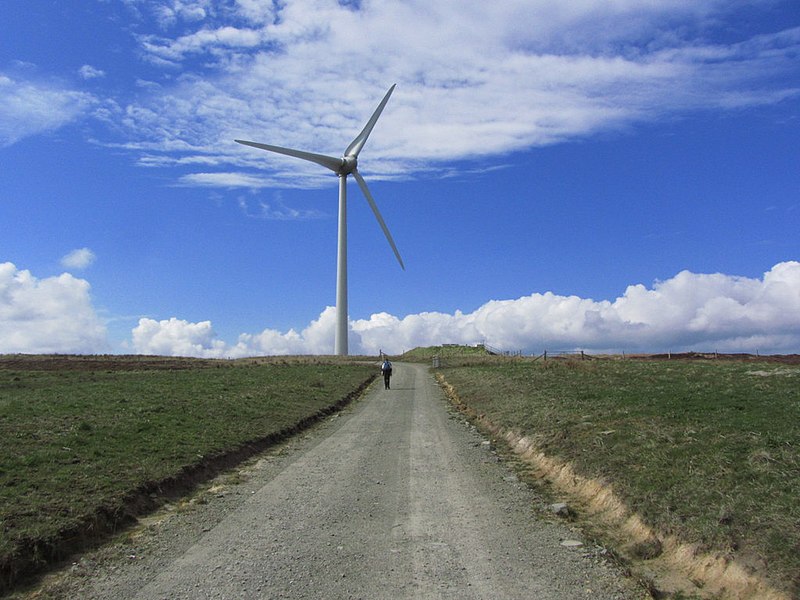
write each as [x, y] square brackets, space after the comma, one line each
[343, 167]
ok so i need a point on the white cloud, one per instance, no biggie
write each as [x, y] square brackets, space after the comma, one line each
[256, 11]
[90, 72]
[317, 338]
[474, 79]
[51, 315]
[170, 12]
[175, 337]
[227, 180]
[28, 108]
[276, 210]
[178, 338]
[78, 259]
[687, 312]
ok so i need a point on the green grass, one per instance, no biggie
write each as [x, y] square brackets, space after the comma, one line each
[708, 451]
[444, 352]
[75, 440]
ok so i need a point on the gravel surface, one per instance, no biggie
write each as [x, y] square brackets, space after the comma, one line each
[395, 497]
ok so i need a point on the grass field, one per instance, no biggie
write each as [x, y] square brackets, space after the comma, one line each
[80, 437]
[703, 450]
[706, 451]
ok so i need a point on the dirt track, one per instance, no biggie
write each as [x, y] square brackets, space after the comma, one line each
[395, 498]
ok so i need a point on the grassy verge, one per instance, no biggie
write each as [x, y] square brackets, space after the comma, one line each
[453, 351]
[706, 451]
[81, 439]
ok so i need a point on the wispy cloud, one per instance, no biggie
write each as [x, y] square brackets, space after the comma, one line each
[90, 72]
[276, 210]
[30, 107]
[474, 80]
[227, 180]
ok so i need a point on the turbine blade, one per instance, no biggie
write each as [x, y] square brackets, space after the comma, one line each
[357, 144]
[363, 185]
[334, 164]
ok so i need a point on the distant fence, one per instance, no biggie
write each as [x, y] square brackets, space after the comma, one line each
[498, 352]
[562, 353]
[439, 359]
[544, 355]
[452, 350]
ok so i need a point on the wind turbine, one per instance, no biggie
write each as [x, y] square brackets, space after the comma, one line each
[343, 167]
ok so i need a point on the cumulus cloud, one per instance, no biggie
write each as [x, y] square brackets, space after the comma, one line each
[690, 311]
[175, 337]
[78, 259]
[51, 315]
[474, 80]
[28, 108]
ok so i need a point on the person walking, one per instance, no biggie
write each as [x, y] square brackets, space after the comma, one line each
[386, 369]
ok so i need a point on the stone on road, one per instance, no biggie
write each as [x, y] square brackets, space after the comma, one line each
[395, 499]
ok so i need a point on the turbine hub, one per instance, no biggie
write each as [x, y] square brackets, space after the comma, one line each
[348, 165]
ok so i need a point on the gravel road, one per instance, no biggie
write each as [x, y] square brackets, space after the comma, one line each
[396, 497]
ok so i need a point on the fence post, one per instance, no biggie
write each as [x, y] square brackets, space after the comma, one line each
[545, 356]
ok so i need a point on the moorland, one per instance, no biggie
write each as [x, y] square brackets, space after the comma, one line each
[702, 450]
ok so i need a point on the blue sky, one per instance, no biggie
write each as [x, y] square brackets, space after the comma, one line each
[619, 176]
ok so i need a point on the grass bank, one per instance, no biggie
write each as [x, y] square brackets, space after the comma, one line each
[706, 452]
[86, 442]
[452, 351]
